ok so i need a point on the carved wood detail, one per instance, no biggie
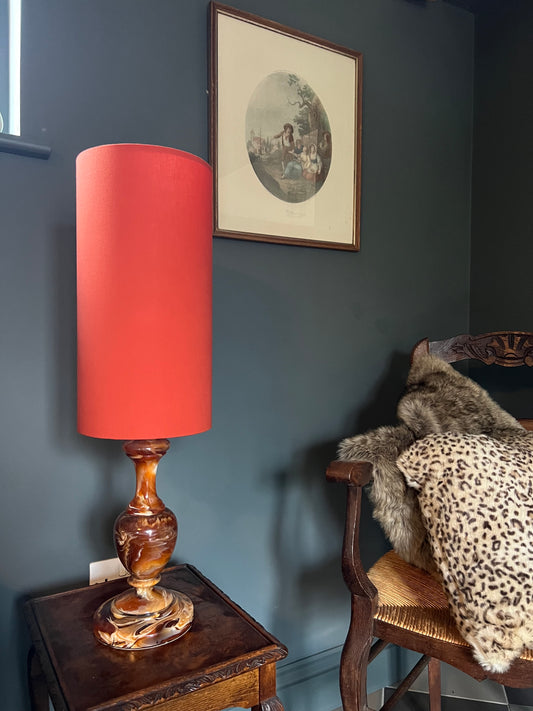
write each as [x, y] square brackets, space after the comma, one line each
[506, 348]
[205, 680]
[272, 704]
[242, 691]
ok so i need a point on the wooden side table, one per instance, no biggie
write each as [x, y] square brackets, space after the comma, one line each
[226, 659]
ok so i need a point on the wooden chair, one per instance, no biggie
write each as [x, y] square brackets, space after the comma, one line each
[396, 602]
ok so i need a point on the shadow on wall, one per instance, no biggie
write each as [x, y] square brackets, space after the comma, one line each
[312, 597]
[381, 408]
[15, 643]
[62, 346]
[510, 387]
[106, 457]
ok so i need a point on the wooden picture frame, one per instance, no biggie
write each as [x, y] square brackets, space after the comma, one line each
[285, 133]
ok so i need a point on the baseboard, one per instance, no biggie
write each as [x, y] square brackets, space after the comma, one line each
[311, 683]
[374, 700]
[456, 684]
[309, 667]
[420, 700]
[410, 701]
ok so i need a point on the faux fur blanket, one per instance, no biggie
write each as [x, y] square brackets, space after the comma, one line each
[437, 400]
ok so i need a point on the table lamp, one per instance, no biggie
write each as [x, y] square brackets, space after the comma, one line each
[144, 263]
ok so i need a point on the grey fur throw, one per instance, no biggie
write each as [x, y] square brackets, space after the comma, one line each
[437, 399]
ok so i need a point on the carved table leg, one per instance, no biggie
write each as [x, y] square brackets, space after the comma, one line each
[37, 683]
[267, 690]
[272, 704]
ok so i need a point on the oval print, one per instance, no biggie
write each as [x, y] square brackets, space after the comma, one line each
[288, 137]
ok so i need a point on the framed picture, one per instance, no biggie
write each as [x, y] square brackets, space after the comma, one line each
[285, 133]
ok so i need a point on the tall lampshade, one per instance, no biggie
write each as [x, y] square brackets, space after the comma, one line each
[144, 240]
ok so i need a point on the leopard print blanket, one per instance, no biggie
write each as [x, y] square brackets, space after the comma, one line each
[439, 400]
[476, 498]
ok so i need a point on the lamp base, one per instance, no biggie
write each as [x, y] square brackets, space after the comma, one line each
[145, 533]
[130, 622]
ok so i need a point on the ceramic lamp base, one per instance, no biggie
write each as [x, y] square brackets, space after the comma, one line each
[145, 534]
[129, 622]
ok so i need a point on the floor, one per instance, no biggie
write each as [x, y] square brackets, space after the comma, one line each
[419, 701]
[459, 693]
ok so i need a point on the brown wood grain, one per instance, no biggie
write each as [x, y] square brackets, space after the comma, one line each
[223, 644]
[509, 349]
[434, 684]
[242, 691]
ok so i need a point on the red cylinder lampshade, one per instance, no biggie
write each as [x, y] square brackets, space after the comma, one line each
[144, 239]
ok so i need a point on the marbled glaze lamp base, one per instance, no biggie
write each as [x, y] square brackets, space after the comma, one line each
[145, 535]
[118, 627]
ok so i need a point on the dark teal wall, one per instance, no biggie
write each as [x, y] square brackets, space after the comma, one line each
[309, 344]
[502, 186]
[502, 248]
[502, 218]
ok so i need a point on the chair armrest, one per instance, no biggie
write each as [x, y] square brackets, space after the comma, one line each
[353, 473]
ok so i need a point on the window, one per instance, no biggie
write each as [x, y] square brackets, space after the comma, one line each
[11, 140]
[10, 26]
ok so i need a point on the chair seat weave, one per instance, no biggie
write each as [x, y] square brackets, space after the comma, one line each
[411, 599]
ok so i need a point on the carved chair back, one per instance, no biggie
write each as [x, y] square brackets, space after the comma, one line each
[509, 349]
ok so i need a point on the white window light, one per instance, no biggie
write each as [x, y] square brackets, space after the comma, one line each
[14, 8]
[10, 135]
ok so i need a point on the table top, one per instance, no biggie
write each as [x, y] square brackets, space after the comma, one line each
[224, 641]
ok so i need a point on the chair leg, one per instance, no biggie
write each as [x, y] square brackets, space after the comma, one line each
[354, 659]
[434, 684]
[406, 684]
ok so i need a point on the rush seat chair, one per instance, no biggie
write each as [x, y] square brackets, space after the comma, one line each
[395, 602]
